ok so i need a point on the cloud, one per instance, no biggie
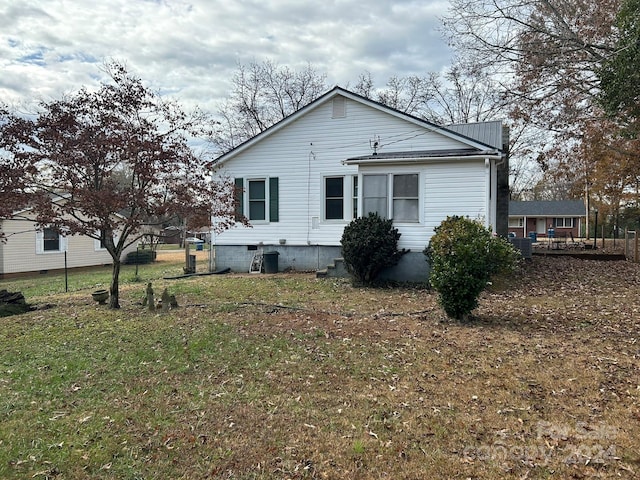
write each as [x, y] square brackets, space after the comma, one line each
[190, 49]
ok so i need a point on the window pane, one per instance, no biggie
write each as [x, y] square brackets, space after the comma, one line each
[334, 198]
[405, 198]
[405, 210]
[51, 240]
[257, 200]
[334, 187]
[334, 209]
[257, 190]
[405, 185]
[375, 186]
[256, 210]
[374, 193]
[376, 205]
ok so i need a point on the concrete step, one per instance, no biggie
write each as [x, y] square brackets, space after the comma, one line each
[334, 270]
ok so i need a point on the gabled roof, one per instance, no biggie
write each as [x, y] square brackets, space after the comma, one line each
[450, 132]
[548, 208]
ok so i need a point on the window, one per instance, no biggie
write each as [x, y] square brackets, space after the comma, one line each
[405, 198]
[257, 199]
[340, 194]
[374, 195]
[354, 198]
[51, 240]
[339, 105]
[563, 222]
[516, 222]
[334, 198]
[405, 204]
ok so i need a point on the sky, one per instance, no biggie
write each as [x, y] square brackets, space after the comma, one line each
[190, 49]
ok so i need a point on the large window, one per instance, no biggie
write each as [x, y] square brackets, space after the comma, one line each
[563, 222]
[516, 222]
[404, 188]
[334, 198]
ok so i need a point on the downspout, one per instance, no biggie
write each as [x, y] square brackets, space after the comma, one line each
[487, 172]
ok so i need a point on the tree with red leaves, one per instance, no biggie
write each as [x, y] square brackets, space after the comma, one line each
[110, 163]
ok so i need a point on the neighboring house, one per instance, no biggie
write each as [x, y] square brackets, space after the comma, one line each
[565, 217]
[28, 249]
[303, 180]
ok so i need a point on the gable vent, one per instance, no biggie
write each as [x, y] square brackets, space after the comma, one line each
[339, 107]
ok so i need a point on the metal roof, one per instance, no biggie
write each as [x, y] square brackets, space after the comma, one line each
[489, 133]
[548, 208]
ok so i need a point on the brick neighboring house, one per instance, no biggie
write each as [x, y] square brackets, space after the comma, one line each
[566, 217]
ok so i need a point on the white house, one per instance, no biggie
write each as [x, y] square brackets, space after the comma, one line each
[31, 249]
[302, 180]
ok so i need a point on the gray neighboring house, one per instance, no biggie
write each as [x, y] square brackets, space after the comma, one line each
[566, 217]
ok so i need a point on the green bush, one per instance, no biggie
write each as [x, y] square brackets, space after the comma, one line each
[464, 255]
[370, 244]
[140, 257]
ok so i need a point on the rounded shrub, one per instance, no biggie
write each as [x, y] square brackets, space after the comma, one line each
[140, 257]
[463, 256]
[369, 245]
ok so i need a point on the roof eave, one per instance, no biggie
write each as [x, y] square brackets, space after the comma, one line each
[420, 159]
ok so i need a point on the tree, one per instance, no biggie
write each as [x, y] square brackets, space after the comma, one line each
[555, 58]
[463, 256]
[620, 73]
[547, 51]
[263, 94]
[14, 194]
[465, 93]
[109, 162]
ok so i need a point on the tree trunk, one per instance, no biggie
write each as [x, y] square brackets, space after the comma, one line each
[114, 299]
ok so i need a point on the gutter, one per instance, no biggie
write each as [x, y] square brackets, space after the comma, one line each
[396, 161]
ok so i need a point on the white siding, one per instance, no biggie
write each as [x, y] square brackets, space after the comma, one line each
[19, 251]
[447, 189]
[455, 189]
[307, 150]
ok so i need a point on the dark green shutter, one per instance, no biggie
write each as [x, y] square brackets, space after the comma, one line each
[239, 196]
[273, 199]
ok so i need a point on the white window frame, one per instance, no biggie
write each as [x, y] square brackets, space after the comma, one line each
[518, 220]
[390, 195]
[62, 243]
[97, 244]
[564, 220]
[342, 198]
[349, 198]
[247, 213]
[394, 197]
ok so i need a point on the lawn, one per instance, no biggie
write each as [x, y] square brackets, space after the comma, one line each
[288, 376]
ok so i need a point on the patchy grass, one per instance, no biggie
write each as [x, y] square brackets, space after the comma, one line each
[287, 376]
